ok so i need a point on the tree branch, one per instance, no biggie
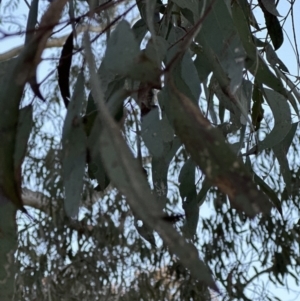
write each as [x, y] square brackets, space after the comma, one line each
[51, 43]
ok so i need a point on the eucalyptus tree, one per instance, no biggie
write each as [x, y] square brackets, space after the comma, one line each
[151, 111]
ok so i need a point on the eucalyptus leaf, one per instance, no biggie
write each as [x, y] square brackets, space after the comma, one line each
[281, 151]
[270, 6]
[219, 33]
[25, 124]
[254, 62]
[206, 146]
[151, 132]
[74, 150]
[282, 118]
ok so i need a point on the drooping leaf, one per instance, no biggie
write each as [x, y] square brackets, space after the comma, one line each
[151, 133]
[185, 74]
[192, 6]
[36, 87]
[32, 20]
[202, 66]
[127, 175]
[63, 69]
[206, 185]
[10, 97]
[21, 71]
[280, 151]
[96, 166]
[123, 57]
[220, 35]
[254, 63]
[207, 147]
[25, 124]
[9, 244]
[122, 49]
[270, 6]
[160, 167]
[274, 29]
[139, 30]
[257, 112]
[246, 8]
[273, 59]
[188, 194]
[282, 120]
[269, 192]
[74, 150]
[186, 179]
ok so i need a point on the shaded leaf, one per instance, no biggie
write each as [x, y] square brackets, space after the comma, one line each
[188, 194]
[63, 69]
[219, 34]
[202, 66]
[32, 20]
[160, 167]
[257, 112]
[206, 185]
[207, 147]
[122, 49]
[25, 124]
[96, 167]
[74, 150]
[254, 63]
[186, 179]
[21, 70]
[35, 87]
[10, 97]
[151, 132]
[9, 243]
[270, 6]
[282, 120]
[269, 192]
[280, 151]
[139, 30]
[274, 29]
[126, 173]
[273, 59]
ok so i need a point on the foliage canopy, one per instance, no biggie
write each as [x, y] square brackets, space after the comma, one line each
[157, 159]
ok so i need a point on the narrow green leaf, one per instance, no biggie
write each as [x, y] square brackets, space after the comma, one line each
[257, 112]
[25, 124]
[151, 133]
[139, 30]
[122, 49]
[202, 66]
[269, 192]
[220, 34]
[282, 118]
[207, 147]
[254, 63]
[32, 20]
[127, 175]
[274, 29]
[160, 167]
[63, 69]
[74, 150]
[188, 194]
[206, 185]
[9, 244]
[186, 179]
[270, 6]
[10, 97]
[280, 151]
